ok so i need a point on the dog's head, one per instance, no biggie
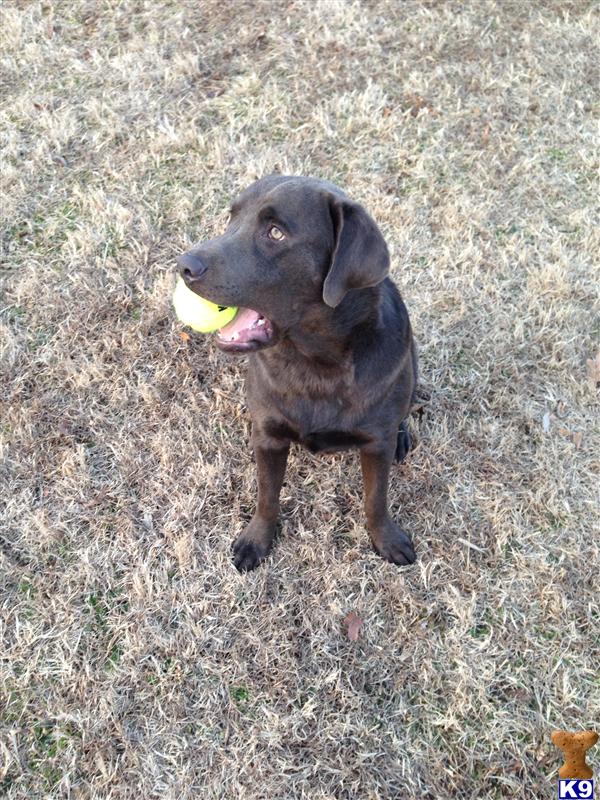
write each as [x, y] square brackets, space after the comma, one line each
[294, 247]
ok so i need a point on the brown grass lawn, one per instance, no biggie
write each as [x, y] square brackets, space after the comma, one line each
[136, 662]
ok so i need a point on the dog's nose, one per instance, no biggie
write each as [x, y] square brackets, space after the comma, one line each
[191, 267]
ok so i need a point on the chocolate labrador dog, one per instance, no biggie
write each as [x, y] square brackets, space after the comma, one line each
[332, 362]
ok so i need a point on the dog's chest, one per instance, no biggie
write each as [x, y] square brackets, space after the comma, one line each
[311, 436]
[318, 408]
[319, 417]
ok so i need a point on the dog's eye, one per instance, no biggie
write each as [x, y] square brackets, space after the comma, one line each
[275, 233]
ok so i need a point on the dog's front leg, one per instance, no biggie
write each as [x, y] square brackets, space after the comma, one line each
[388, 539]
[253, 544]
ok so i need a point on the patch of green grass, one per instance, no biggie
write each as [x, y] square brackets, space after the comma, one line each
[48, 741]
[479, 631]
[51, 776]
[13, 708]
[27, 588]
[557, 155]
[100, 604]
[114, 656]
[39, 338]
[501, 232]
[99, 609]
[547, 633]
[14, 313]
[240, 695]
[112, 243]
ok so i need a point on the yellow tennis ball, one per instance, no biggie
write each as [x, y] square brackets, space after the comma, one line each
[197, 313]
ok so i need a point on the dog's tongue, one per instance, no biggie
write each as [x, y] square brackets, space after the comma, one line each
[241, 326]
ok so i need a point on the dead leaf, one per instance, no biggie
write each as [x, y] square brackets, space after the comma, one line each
[261, 40]
[593, 370]
[64, 427]
[561, 409]
[97, 500]
[185, 336]
[485, 136]
[546, 421]
[577, 439]
[353, 625]
[416, 103]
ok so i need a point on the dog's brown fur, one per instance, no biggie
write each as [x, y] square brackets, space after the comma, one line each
[339, 367]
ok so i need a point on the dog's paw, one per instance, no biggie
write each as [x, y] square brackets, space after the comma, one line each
[394, 545]
[247, 555]
[253, 544]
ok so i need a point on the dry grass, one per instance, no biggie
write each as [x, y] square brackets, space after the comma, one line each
[136, 662]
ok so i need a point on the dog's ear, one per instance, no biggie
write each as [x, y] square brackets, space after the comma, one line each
[360, 256]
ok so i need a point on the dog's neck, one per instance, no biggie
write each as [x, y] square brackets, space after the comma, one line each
[327, 340]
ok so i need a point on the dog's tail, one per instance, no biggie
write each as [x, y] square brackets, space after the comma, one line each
[404, 443]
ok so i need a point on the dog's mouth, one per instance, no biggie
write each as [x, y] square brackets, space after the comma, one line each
[248, 330]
